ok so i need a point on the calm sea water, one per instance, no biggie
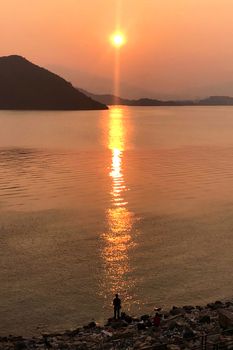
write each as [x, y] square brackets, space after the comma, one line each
[131, 200]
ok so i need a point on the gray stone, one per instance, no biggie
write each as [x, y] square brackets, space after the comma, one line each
[118, 324]
[188, 333]
[225, 318]
[20, 345]
[188, 308]
[176, 311]
[204, 319]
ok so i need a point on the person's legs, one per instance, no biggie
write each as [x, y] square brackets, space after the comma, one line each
[118, 313]
[115, 312]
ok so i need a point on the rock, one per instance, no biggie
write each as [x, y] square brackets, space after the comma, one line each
[141, 326]
[116, 324]
[215, 338]
[165, 314]
[108, 334]
[159, 347]
[136, 344]
[92, 325]
[148, 323]
[219, 303]
[145, 346]
[214, 306]
[179, 332]
[47, 343]
[228, 304]
[126, 318]
[179, 325]
[188, 308]
[188, 333]
[19, 338]
[204, 319]
[229, 332]
[126, 334]
[3, 339]
[176, 311]
[172, 325]
[145, 317]
[198, 307]
[225, 318]
[20, 345]
[173, 347]
[82, 346]
[148, 339]
[107, 346]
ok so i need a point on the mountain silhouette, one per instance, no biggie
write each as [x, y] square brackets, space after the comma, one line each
[217, 101]
[109, 99]
[26, 86]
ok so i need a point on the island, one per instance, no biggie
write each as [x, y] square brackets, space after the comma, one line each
[26, 86]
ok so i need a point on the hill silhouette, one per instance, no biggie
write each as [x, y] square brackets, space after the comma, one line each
[26, 86]
[109, 99]
[217, 101]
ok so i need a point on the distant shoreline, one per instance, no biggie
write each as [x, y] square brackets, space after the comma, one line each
[112, 100]
[110, 106]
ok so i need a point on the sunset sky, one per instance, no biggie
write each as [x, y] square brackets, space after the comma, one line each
[175, 48]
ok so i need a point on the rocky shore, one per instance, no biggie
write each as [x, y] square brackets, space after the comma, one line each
[181, 328]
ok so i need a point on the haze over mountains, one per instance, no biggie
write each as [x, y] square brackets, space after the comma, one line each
[109, 99]
[175, 49]
[26, 86]
[98, 84]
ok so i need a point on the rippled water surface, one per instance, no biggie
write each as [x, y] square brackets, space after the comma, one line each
[131, 200]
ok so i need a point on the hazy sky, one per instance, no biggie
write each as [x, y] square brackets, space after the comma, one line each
[175, 48]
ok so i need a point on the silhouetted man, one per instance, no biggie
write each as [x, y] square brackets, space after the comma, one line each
[117, 306]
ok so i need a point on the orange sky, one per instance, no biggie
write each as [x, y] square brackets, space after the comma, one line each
[176, 48]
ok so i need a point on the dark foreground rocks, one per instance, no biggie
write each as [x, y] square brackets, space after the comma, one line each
[181, 328]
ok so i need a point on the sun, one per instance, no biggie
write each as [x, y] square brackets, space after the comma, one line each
[118, 39]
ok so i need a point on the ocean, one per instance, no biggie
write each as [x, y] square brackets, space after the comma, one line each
[134, 200]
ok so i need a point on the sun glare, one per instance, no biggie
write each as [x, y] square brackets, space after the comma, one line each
[118, 39]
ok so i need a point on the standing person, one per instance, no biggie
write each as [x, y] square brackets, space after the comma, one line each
[117, 306]
[157, 320]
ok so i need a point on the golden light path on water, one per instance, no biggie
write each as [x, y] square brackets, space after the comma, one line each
[118, 239]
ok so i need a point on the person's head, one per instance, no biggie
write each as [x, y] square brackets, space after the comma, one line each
[116, 295]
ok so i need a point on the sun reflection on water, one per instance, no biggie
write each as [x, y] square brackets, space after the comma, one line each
[116, 143]
[118, 239]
